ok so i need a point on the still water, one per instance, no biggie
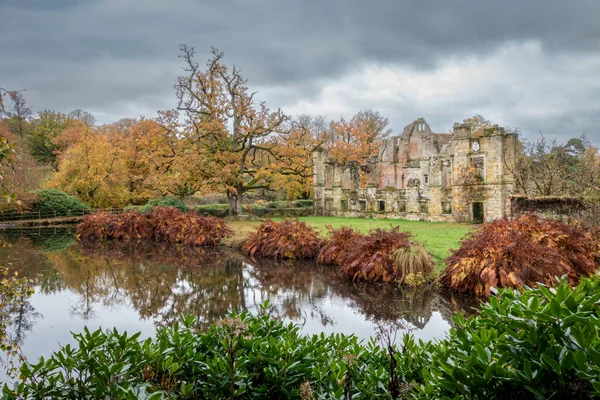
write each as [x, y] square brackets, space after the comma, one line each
[139, 287]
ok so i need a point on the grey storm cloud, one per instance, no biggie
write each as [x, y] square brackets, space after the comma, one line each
[118, 58]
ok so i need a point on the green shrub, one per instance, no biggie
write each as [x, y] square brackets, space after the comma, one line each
[49, 201]
[277, 204]
[139, 209]
[303, 203]
[159, 202]
[262, 210]
[543, 343]
[266, 212]
[216, 210]
[534, 345]
[242, 357]
[168, 202]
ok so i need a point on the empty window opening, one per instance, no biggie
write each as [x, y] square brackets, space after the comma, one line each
[446, 207]
[344, 205]
[363, 205]
[478, 213]
[381, 205]
[426, 179]
[401, 206]
[479, 165]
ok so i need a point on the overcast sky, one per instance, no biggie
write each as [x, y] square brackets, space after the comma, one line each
[531, 64]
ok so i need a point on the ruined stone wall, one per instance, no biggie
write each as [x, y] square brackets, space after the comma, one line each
[566, 209]
[417, 176]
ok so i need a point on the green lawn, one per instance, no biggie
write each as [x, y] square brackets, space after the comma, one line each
[437, 237]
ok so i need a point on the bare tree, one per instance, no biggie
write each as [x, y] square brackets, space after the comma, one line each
[545, 167]
[19, 111]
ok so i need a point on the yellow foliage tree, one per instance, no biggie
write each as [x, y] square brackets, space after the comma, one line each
[91, 167]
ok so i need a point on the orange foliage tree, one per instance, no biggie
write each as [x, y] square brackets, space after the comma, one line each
[294, 163]
[358, 138]
[478, 124]
[159, 161]
[92, 167]
[226, 127]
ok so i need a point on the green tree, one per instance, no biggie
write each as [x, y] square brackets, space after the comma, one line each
[40, 140]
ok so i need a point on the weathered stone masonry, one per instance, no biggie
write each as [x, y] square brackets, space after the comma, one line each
[419, 175]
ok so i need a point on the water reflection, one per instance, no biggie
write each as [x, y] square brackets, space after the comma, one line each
[138, 287]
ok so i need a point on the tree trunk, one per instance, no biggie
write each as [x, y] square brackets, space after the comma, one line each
[235, 201]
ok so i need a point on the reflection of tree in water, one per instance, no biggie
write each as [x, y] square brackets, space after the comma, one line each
[294, 287]
[161, 282]
[389, 304]
[21, 318]
[299, 286]
[20, 255]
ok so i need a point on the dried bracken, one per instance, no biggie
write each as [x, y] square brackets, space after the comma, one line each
[306, 392]
[523, 252]
[370, 257]
[336, 245]
[161, 224]
[285, 239]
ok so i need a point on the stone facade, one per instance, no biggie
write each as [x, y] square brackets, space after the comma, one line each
[421, 175]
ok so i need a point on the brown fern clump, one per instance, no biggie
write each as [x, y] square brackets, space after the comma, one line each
[526, 251]
[413, 263]
[163, 224]
[336, 245]
[371, 257]
[174, 226]
[285, 239]
[106, 226]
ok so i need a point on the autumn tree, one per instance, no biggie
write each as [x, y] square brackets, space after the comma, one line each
[305, 134]
[40, 141]
[226, 125]
[478, 124]
[358, 138]
[160, 161]
[91, 166]
[19, 176]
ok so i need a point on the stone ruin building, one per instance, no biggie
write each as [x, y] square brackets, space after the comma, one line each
[422, 175]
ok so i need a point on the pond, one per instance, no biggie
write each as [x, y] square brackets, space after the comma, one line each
[139, 287]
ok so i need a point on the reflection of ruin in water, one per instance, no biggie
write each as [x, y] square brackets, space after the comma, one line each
[162, 282]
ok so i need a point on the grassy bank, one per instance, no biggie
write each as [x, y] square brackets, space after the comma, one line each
[437, 237]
